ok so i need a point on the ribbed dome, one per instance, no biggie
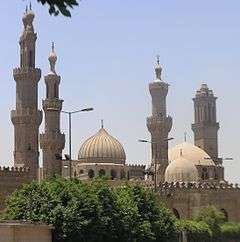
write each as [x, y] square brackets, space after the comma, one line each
[191, 153]
[181, 170]
[102, 148]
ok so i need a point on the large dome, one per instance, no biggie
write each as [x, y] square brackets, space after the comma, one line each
[102, 148]
[181, 170]
[191, 153]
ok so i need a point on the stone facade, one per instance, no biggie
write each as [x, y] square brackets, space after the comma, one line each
[12, 178]
[19, 231]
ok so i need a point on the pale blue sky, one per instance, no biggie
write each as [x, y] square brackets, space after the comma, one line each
[106, 53]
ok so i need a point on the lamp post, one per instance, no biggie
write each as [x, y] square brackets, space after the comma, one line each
[70, 133]
[155, 161]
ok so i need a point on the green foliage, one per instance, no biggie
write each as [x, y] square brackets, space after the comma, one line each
[95, 212]
[230, 231]
[196, 231]
[213, 218]
[59, 6]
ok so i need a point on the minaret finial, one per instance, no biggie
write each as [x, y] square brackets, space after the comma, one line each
[158, 69]
[26, 9]
[52, 46]
[52, 59]
[30, 5]
[102, 124]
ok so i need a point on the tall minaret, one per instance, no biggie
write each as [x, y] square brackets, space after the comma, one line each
[159, 124]
[205, 126]
[52, 142]
[26, 118]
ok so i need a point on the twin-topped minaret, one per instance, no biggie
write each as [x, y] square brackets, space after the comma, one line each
[52, 142]
[26, 118]
[159, 124]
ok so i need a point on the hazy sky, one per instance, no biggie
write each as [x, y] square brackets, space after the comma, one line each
[106, 53]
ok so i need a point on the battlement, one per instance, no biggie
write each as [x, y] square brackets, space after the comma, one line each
[5, 170]
[136, 166]
[197, 185]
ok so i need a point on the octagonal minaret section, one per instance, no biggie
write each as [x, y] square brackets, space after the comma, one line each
[205, 125]
[26, 118]
[52, 142]
[159, 124]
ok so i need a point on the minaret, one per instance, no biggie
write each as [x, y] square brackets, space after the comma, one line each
[26, 118]
[52, 142]
[159, 124]
[205, 126]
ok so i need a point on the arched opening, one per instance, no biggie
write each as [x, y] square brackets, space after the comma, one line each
[91, 173]
[225, 214]
[113, 174]
[122, 174]
[55, 90]
[102, 173]
[205, 175]
[81, 172]
[176, 213]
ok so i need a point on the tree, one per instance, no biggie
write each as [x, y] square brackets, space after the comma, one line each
[60, 6]
[93, 211]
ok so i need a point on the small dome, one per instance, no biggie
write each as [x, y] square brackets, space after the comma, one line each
[102, 148]
[191, 153]
[181, 170]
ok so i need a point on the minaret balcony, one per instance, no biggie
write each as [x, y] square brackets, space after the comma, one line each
[26, 116]
[159, 124]
[27, 73]
[52, 104]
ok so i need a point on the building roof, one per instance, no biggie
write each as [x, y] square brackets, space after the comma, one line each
[190, 152]
[102, 148]
[181, 170]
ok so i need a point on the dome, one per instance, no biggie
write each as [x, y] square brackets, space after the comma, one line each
[181, 170]
[190, 152]
[102, 148]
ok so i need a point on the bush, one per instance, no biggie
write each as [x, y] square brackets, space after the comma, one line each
[196, 231]
[93, 211]
[230, 231]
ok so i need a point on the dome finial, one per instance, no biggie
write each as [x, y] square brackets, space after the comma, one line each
[30, 5]
[185, 136]
[52, 59]
[158, 69]
[102, 124]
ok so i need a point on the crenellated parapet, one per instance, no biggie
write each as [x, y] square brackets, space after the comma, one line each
[52, 105]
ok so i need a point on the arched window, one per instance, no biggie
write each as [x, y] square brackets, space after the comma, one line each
[102, 173]
[47, 87]
[113, 174]
[176, 213]
[122, 174]
[225, 214]
[205, 175]
[30, 59]
[91, 173]
[75, 174]
[81, 172]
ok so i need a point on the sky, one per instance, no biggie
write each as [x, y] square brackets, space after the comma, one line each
[106, 57]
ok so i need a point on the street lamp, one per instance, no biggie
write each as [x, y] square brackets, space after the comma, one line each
[155, 161]
[70, 134]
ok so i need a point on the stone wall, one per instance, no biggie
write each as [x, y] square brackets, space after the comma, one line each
[18, 231]
[185, 200]
[12, 178]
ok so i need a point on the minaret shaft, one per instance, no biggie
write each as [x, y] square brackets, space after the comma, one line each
[159, 124]
[26, 118]
[52, 142]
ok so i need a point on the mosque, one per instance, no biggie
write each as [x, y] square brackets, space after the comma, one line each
[186, 177]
